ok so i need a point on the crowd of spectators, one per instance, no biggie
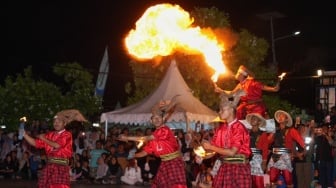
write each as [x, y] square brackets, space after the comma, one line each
[103, 159]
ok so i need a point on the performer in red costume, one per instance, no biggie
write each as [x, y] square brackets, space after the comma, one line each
[232, 142]
[260, 142]
[162, 143]
[251, 102]
[283, 145]
[58, 147]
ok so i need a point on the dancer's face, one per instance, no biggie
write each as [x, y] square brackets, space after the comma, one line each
[58, 124]
[156, 120]
[225, 112]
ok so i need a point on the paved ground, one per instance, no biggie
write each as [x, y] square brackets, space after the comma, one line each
[32, 184]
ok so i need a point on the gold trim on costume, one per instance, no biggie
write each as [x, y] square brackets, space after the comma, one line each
[60, 161]
[170, 156]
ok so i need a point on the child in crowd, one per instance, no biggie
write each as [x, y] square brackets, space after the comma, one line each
[132, 175]
[114, 172]
[76, 171]
[101, 170]
[203, 178]
[85, 171]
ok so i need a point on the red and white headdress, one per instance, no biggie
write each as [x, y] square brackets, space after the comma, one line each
[164, 108]
[70, 115]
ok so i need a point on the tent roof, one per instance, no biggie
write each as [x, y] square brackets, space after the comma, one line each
[171, 85]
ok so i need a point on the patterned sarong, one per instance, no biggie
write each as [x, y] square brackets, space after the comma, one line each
[171, 174]
[54, 174]
[233, 176]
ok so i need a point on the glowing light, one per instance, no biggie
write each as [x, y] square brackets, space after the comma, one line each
[140, 144]
[199, 151]
[282, 75]
[24, 119]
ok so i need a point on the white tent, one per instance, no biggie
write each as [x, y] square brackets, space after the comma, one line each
[189, 109]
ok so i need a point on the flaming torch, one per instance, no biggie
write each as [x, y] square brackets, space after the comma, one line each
[164, 29]
[140, 143]
[281, 76]
[23, 121]
[200, 151]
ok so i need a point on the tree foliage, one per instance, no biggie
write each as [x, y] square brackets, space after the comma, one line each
[241, 48]
[38, 99]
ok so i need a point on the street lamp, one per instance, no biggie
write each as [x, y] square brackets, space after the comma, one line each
[270, 16]
[277, 39]
[287, 36]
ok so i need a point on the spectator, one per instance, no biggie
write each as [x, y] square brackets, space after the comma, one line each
[114, 172]
[132, 174]
[333, 116]
[102, 170]
[319, 114]
[94, 155]
[85, 155]
[80, 142]
[324, 156]
[34, 163]
[23, 171]
[76, 171]
[303, 163]
[85, 171]
[203, 178]
[8, 168]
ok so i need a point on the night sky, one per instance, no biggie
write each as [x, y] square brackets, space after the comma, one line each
[48, 32]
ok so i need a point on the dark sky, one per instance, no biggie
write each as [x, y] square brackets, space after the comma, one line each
[48, 32]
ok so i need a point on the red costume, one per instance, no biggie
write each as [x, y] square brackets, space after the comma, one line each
[260, 141]
[231, 135]
[56, 173]
[263, 142]
[252, 102]
[171, 173]
[284, 139]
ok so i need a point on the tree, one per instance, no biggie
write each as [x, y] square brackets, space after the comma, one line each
[24, 96]
[241, 48]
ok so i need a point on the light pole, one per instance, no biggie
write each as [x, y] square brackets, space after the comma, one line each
[270, 16]
[277, 39]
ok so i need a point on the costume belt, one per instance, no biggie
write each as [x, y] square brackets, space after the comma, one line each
[170, 156]
[280, 151]
[236, 159]
[60, 161]
[256, 151]
[252, 101]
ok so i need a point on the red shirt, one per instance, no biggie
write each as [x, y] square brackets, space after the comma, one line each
[164, 142]
[291, 136]
[263, 143]
[63, 138]
[252, 88]
[231, 135]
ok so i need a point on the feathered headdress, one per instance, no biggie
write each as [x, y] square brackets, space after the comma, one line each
[164, 108]
[226, 100]
[70, 115]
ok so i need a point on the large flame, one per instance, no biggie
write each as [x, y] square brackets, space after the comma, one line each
[164, 29]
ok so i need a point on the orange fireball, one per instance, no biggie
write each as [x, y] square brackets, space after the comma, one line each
[164, 29]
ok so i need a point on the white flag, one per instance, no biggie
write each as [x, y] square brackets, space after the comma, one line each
[102, 75]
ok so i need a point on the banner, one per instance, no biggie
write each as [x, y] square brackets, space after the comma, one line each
[102, 75]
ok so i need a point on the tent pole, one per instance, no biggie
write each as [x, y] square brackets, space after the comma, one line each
[187, 122]
[106, 124]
